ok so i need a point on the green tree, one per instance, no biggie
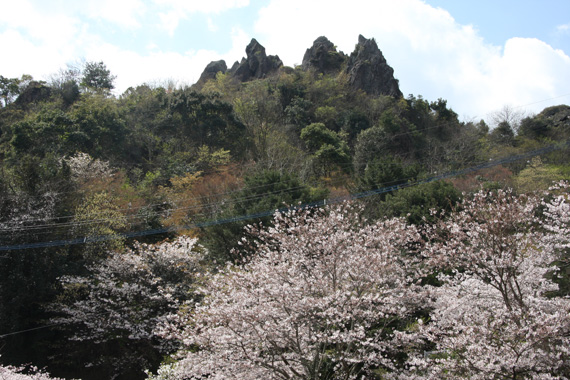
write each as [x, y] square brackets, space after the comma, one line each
[96, 77]
[503, 134]
[327, 147]
[537, 176]
[99, 126]
[415, 203]
[9, 89]
[258, 108]
[193, 119]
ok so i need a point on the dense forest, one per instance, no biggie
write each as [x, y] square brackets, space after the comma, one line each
[271, 222]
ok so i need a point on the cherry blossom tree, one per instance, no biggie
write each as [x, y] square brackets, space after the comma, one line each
[493, 317]
[320, 299]
[84, 167]
[126, 295]
[22, 373]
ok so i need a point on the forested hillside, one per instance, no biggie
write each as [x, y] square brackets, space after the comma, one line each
[123, 238]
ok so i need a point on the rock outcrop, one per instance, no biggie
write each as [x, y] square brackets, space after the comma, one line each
[368, 70]
[34, 92]
[366, 67]
[323, 57]
[212, 70]
[257, 65]
[557, 116]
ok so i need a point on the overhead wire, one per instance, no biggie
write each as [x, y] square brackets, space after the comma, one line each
[153, 213]
[93, 239]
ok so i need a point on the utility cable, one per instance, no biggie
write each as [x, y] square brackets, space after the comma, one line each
[320, 203]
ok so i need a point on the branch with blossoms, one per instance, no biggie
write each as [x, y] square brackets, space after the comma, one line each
[23, 373]
[493, 317]
[321, 298]
[128, 294]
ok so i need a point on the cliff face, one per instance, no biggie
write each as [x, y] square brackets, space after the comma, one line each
[212, 70]
[368, 70]
[257, 65]
[323, 57]
[366, 67]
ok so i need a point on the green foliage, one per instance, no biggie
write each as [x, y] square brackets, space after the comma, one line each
[383, 172]
[327, 147]
[98, 216]
[208, 160]
[316, 135]
[9, 89]
[414, 203]
[99, 126]
[538, 176]
[503, 134]
[327, 115]
[353, 123]
[96, 77]
[195, 119]
[263, 192]
[54, 128]
[257, 107]
[400, 137]
[298, 112]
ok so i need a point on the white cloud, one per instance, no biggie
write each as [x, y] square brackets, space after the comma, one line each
[563, 29]
[36, 41]
[132, 68]
[125, 13]
[212, 27]
[195, 6]
[41, 43]
[45, 27]
[172, 11]
[432, 55]
[169, 21]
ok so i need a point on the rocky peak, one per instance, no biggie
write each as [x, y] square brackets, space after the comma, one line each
[257, 65]
[368, 70]
[211, 71]
[323, 57]
[366, 67]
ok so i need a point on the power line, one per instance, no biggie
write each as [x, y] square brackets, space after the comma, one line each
[320, 203]
[127, 218]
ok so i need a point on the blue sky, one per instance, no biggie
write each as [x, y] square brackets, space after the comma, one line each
[479, 55]
[498, 20]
